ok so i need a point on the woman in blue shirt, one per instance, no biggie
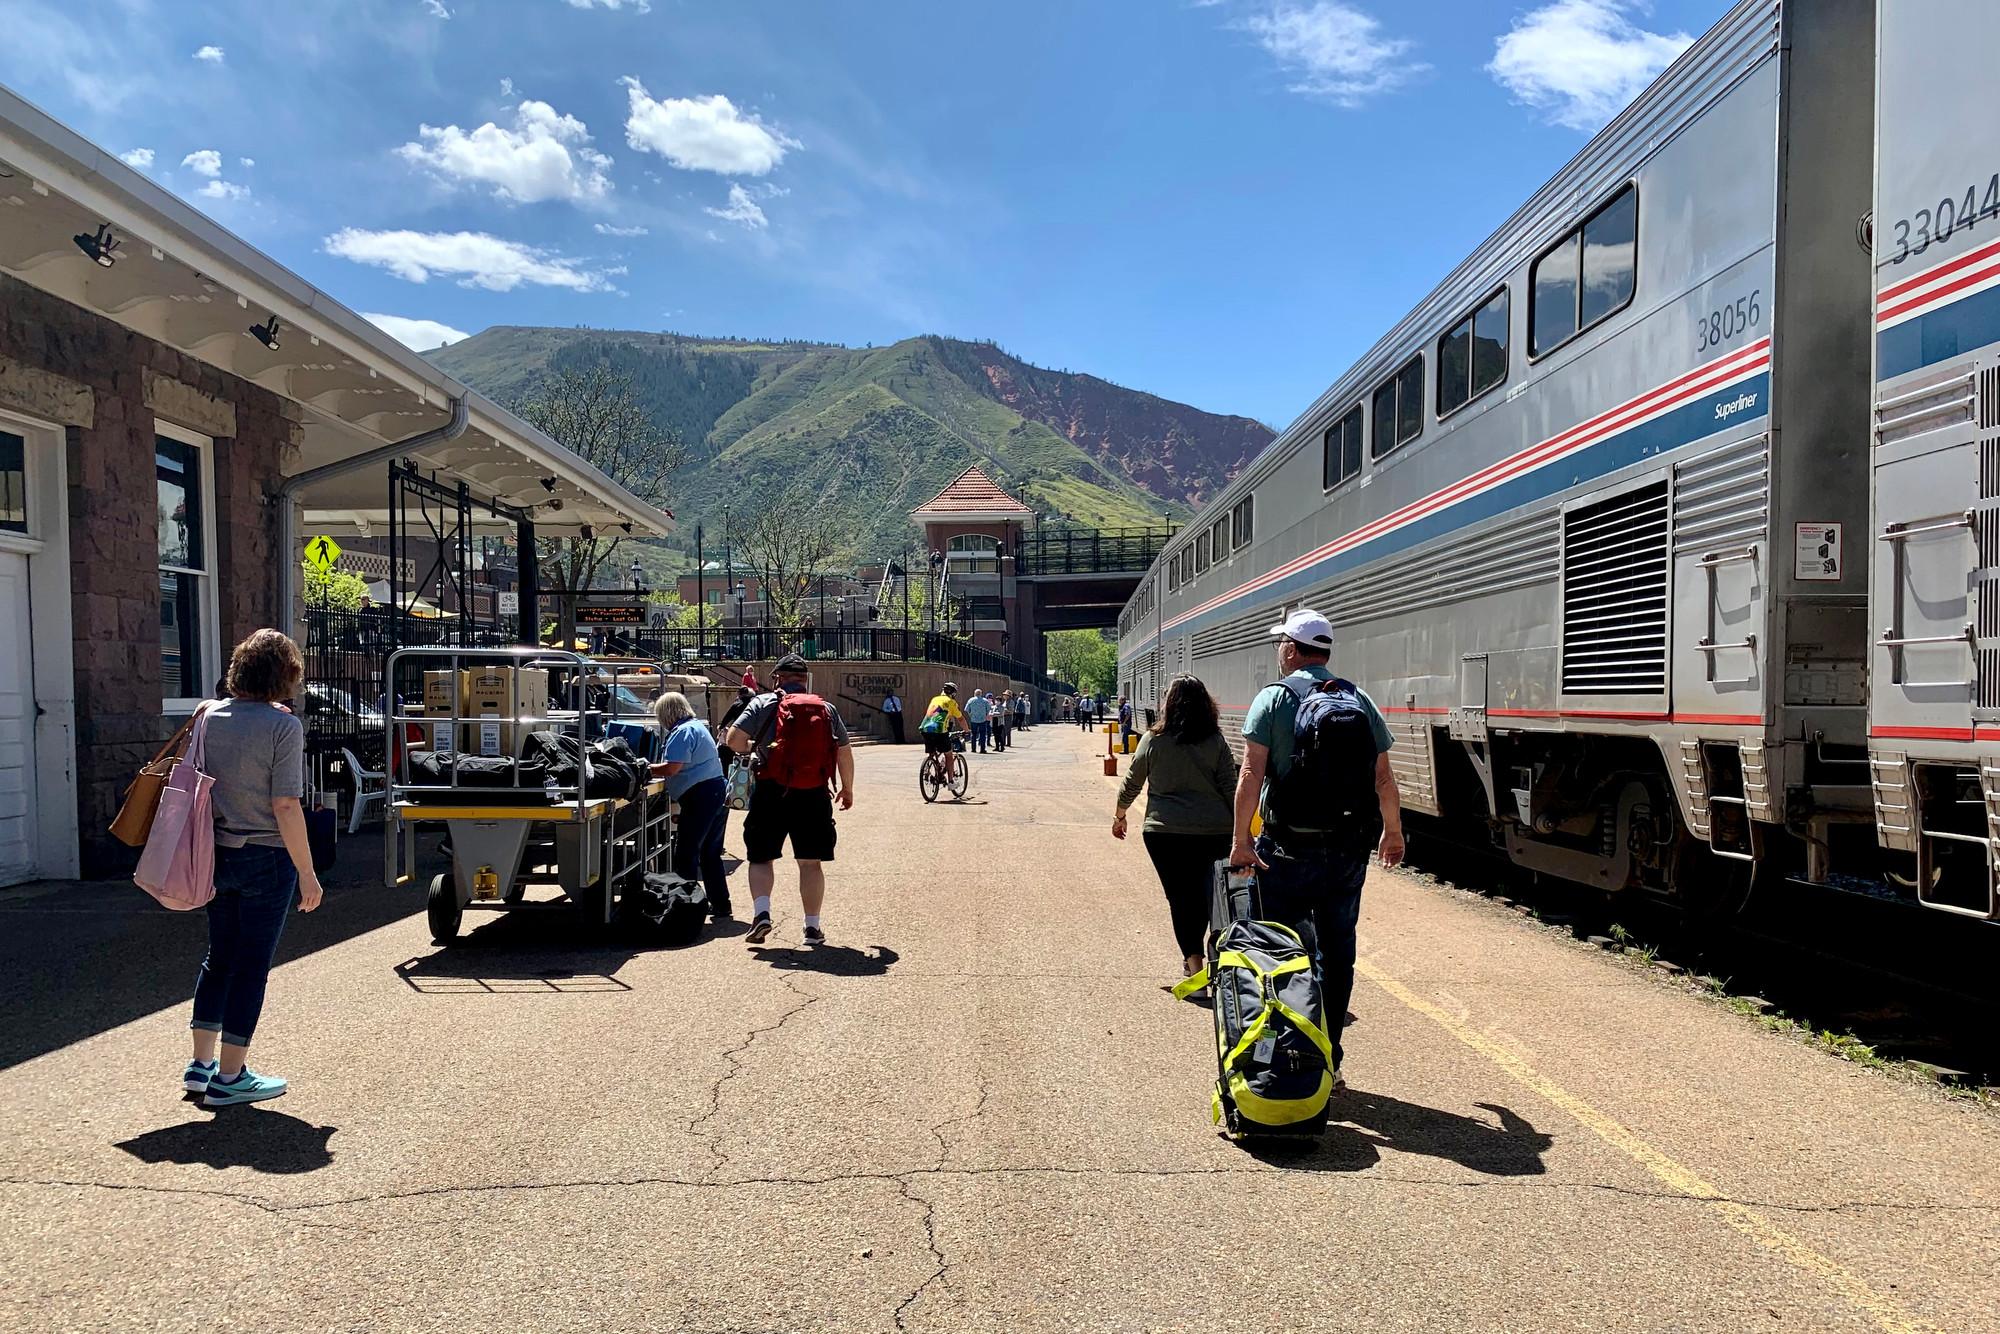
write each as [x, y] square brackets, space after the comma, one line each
[693, 769]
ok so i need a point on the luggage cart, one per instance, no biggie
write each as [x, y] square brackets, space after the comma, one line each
[504, 836]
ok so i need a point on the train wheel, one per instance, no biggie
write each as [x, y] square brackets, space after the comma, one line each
[442, 907]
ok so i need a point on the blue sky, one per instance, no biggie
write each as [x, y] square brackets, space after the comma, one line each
[1219, 202]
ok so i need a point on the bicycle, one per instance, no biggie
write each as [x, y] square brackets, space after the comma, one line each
[931, 778]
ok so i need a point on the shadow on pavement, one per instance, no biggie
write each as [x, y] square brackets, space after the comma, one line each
[1366, 1123]
[83, 957]
[833, 960]
[257, 1138]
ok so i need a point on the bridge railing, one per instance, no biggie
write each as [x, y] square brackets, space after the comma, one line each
[1047, 551]
[849, 644]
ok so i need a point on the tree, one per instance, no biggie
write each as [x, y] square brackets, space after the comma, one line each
[592, 412]
[334, 590]
[788, 543]
[1085, 658]
[675, 614]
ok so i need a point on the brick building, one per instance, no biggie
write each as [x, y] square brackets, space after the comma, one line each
[972, 530]
[177, 414]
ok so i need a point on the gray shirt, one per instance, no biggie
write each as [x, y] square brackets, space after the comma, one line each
[759, 718]
[254, 752]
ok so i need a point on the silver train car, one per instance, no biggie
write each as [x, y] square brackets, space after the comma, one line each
[1934, 711]
[1591, 520]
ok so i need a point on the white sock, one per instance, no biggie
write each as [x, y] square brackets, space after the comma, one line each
[812, 919]
[760, 905]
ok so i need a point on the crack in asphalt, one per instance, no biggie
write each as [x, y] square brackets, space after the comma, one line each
[907, 1183]
[719, 1156]
[973, 1173]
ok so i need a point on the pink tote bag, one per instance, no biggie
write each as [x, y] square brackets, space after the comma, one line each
[177, 866]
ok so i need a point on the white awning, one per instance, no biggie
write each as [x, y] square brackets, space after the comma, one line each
[184, 281]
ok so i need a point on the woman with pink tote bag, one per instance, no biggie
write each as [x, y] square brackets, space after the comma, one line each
[246, 762]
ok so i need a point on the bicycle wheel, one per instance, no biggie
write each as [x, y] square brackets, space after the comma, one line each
[928, 779]
[961, 777]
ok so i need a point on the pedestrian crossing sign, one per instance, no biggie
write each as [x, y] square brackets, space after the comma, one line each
[322, 552]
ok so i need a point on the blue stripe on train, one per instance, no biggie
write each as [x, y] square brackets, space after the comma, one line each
[1683, 426]
[1949, 331]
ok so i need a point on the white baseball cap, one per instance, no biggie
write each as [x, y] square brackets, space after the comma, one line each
[1306, 626]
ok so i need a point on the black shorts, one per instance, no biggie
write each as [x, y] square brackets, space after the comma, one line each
[805, 815]
[938, 743]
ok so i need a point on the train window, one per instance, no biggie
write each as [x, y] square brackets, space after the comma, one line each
[1241, 518]
[1610, 257]
[1472, 357]
[1201, 552]
[1399, 408]
[1342, 445]
[1219, 538]
[1587, 276]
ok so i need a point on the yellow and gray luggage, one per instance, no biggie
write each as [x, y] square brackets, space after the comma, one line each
[1274, 1063]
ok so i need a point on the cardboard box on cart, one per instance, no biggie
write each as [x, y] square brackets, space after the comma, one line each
[444, 694]
[496, 699]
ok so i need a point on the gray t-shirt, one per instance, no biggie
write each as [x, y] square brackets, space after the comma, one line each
[254, 752]
[759, 719]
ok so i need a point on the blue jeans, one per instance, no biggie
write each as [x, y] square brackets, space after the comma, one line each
[1318, 886]
[981, 734]
[698, 840]
[255, 888]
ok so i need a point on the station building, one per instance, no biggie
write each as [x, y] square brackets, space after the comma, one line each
[178, 414]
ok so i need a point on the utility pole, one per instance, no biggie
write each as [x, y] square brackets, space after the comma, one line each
[700, 592]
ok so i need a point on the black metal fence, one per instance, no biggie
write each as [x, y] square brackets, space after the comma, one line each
[347, 654]
[1090, 550]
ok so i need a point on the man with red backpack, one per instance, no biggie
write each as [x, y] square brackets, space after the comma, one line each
[800, 746]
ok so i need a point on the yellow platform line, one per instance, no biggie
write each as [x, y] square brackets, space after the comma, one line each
[1672, 1174]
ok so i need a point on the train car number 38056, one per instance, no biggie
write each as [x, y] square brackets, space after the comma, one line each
[1727, 321]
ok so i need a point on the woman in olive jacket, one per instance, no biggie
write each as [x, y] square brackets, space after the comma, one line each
[1190, 776]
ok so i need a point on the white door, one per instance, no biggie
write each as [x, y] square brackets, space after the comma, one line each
[18, 856]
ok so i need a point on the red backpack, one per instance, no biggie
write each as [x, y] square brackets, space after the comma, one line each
[801, 752]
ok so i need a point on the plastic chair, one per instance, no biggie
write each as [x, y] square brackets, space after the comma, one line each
[362, 796]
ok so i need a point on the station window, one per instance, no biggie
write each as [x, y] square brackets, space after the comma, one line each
[186, 565]
[1472, 356]
[1587, 276]
[1342, 450]
[1399, 408]
[1240, 519]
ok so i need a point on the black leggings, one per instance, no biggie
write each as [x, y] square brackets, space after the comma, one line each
[1186, 863]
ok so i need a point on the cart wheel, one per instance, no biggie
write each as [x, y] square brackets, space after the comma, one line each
[443, 909]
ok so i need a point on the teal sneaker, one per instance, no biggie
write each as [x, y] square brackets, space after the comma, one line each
[195, 1078]
[248, 1086]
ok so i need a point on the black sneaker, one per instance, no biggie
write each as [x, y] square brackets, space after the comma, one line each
[815, 936]
[721, 911]
[760, 930]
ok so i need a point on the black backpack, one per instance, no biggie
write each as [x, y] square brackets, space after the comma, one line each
[1330, 786]
[665, 910]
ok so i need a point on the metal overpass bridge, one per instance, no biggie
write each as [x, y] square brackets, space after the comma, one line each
[1080, 578]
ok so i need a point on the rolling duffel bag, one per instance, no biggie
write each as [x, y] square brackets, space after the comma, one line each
[1274, 1062]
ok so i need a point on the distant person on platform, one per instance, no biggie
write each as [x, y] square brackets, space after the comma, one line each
[750, 678]
[1003, 712]
[979, 713]
[892, 709]
[1125, 733]
[1023, 715]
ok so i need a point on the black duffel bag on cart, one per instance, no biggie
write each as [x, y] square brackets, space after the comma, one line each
[609, 768]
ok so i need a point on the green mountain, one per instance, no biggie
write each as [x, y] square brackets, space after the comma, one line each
[878, 431]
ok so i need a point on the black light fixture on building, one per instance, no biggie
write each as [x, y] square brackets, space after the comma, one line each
[587, 533]
[548, 483]
[101, 248]
[265, 333]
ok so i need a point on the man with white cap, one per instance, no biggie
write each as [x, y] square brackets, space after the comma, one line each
[1316, 768]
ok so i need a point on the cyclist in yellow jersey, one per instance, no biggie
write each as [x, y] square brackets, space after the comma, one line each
[942, 717]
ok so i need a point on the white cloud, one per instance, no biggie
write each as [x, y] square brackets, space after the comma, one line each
[141, 158]
[506, 87]
[204, 162]
[247, 162]
[224, 190]
[211, 54]
[606, 229]
[419, 335]
[1582, 61]
[636, 6]
[545, 156]
[1333, 50]
[703, 133]
[742, 209]
[436, 9]
[485, 261]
